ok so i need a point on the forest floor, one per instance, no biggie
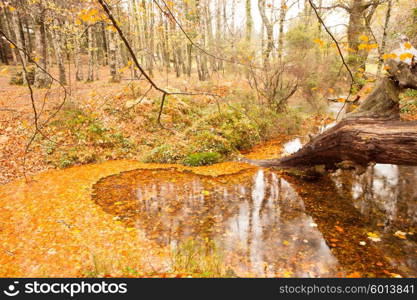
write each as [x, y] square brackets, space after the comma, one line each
[50, 219]
[101, 113]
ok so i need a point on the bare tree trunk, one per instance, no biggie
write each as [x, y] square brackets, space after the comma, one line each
[41, 79]
[269, 32]
[90, 46]
[138, 32]
[282, 15]
[57, 42]
[15, 23]
[115, 75]
[151, 38]
[249, 22]
[11, 33]
[356, 28]
[3, 44]
[147, 14]
[201, 57]
[77, 60]
[384, 37]
[210, 37]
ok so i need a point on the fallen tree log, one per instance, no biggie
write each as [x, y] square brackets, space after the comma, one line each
[359, 140]
[373, 133]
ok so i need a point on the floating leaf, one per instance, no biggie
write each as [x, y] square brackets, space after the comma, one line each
[373, 237]
[401, 234]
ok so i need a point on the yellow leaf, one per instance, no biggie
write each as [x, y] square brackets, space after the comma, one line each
[341, 100]
[404, 56]
[205, 193]
[362, 46]
[364, 38]
[319, 42]
[111, 28]
[373, 237]
[407, 45]
[389, 56]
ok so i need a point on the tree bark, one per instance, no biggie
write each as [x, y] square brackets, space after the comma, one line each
[357, 140]
[384, 36]
[57, 42]
[114, 72]
[269, 27]
[90, 37]
[249, 22]
[42, 80]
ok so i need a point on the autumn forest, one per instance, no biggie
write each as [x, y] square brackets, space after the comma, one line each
[197, 138]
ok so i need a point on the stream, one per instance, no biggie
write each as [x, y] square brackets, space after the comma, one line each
[269, 225]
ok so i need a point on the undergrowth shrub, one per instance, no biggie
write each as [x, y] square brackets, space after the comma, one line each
[79, 137]
[202, 159]
[164, 154]
[214, 135]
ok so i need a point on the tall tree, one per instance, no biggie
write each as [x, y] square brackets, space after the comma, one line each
[39, 12]
[249, 22]
[269, 27]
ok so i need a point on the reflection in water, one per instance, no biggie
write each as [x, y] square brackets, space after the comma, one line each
[387, 196]
[255, 217]
[267, 226]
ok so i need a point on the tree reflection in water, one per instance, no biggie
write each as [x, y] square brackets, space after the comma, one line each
[268, 225]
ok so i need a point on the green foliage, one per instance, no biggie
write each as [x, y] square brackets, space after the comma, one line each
[300, 37]
[164, 153]
[409, 101]
[202, 159]
[212, 135]
[85, 139]
[410, 93]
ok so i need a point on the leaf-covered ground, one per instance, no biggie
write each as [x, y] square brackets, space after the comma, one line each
[50, 227]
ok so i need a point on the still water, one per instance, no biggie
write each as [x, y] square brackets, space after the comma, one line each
[267, 224]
